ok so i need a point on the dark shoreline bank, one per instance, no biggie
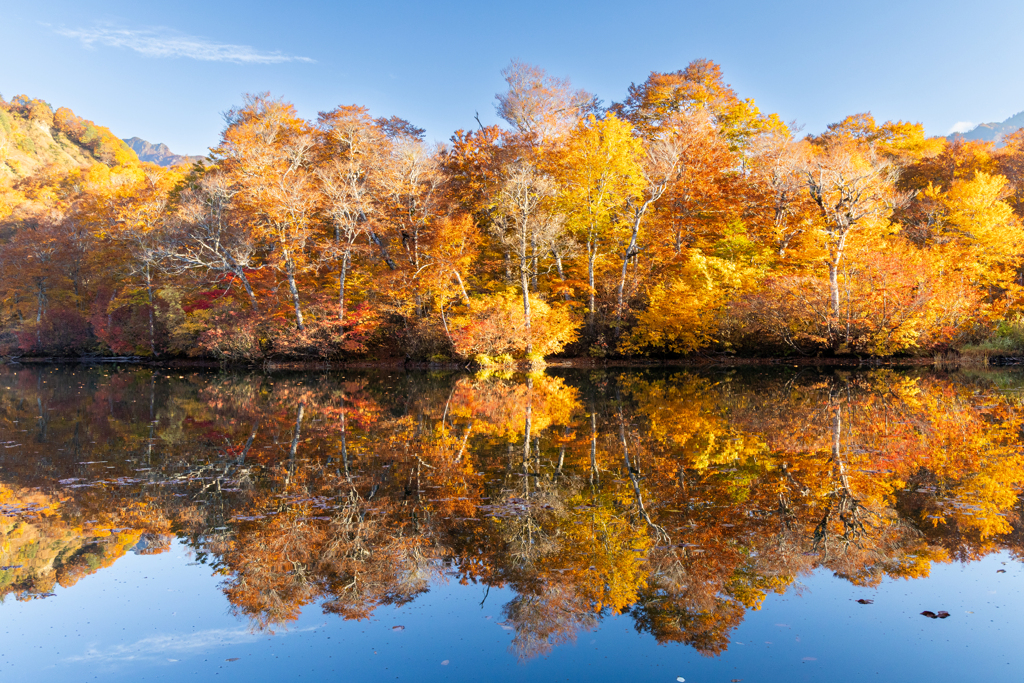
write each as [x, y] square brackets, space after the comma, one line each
[570, 363]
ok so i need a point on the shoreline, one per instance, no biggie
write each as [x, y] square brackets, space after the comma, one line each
[581, 363]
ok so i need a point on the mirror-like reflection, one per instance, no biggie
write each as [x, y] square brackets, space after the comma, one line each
[680, 498]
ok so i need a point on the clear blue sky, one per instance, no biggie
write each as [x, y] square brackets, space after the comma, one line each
[165, 71]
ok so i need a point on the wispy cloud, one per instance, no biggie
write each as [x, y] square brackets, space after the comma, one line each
[163, 42]
[961, 127]
[184, 644]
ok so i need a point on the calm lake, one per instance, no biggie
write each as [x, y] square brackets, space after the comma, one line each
[612, 525]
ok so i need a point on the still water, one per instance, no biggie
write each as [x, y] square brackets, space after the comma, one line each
[713, 526]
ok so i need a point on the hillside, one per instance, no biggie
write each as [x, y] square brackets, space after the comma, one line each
[33, 135]
[993, 132]
[159, 153]
[43, 544]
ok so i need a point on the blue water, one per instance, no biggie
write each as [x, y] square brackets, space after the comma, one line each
[163, 618]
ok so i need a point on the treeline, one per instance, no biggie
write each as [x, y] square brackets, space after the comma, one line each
[680, 220]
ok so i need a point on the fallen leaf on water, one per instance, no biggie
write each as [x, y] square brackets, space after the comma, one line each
[736, 680]
[1000, 571]
[942, 614]
[397, 628]
[866, 602]
[929, 614]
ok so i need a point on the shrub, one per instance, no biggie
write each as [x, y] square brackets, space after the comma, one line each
[494, 325]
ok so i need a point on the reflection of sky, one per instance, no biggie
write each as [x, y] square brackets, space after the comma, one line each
[159, 618]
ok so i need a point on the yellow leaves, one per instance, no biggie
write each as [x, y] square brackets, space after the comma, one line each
[598, 169]
[681, 414]
[494, 324]
[606, 552]
[503, 406]
[683, 314]
[978, 233]
[9, 200]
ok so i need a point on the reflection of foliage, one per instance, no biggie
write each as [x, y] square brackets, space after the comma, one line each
[680, 499]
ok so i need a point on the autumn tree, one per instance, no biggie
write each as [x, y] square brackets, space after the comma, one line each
[541, 105]
[208, 236]
[854, 194]
[659, 167]
[266, 152]
[598, 170]
[524, 223]
[139, 218]
[352, 166]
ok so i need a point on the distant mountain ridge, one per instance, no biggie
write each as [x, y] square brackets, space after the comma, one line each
[159, 154]
[992, 132]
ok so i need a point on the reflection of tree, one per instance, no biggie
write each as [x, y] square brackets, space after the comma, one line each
[680, 499]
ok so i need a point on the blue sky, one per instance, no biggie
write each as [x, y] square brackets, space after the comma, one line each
[165, 71]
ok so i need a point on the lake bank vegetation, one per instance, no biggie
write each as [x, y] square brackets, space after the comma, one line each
[682, 220]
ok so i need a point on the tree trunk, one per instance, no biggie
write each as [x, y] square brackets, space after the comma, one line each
[342, 277]
[625, 266]
[41, 295]
[591, 258]
[465, 296]
[293, 451]
[525, 284]
[535, 261]
[152, 323]
[110, 314]
[383, 250]
[833, 286]
[561, 275]
[248, 289]
[240, 274]
[294, 289]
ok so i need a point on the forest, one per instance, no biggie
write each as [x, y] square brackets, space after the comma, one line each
[681, 221]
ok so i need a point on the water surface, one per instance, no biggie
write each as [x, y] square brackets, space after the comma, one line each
[605, 525]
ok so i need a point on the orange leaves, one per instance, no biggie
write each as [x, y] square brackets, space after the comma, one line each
[540, 105]
[682, 220]
[494, 326]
